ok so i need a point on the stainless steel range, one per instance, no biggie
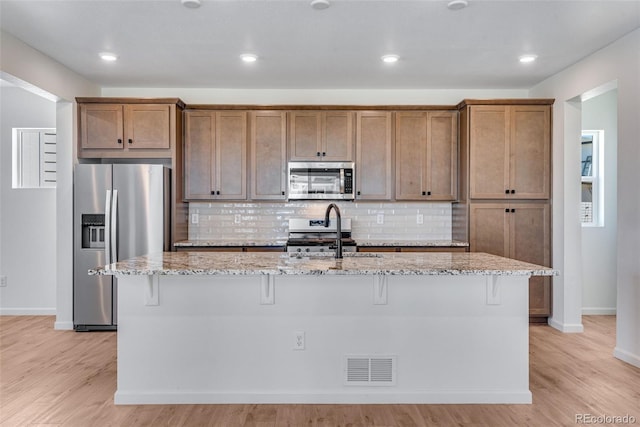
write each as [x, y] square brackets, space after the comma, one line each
[311, 235]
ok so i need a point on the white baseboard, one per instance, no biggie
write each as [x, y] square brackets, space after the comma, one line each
[598, 311]
[626, 356]
[194, 397]
[63, 326]
[571, 328]
[32, 311]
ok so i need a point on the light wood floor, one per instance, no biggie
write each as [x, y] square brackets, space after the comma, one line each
[64, 378]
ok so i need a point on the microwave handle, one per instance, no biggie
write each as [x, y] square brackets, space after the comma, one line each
[341, 181]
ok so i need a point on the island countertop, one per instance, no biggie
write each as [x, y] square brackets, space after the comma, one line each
[221, 263]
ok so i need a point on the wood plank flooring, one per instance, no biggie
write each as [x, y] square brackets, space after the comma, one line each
[64, 378]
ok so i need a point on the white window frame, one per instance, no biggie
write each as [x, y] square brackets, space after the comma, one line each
[596, 179]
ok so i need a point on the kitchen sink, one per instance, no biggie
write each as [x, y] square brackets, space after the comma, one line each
[328, 255]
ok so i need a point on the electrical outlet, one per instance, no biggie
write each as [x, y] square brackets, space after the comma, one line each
[380, 219]
[237, 219]
[420, 219]
[3, 281]
[195, 218]
[298, 340]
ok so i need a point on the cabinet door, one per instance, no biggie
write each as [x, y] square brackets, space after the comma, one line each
[530, 147]
[231, 155]
[337, 139]
[268, 155]
[442, 156]
[305, 135]
[489, 152]
[489, 228]
[411, 155]
[147, 126]
[373, 155]
[199, 158]
[101, 126]
[529, 236]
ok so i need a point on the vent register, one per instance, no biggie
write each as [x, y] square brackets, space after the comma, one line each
[363, 370]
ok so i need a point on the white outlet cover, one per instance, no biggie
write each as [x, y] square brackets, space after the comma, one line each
[380, 219]
[298, 340]
[195, 218]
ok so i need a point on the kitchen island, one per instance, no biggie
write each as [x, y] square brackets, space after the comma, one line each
[199, 327]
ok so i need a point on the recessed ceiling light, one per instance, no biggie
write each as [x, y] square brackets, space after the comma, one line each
[389, 59]
[457, 4]
[525, 59]
[320, 4]
[108, 56]
[191, 4]
[249, 57]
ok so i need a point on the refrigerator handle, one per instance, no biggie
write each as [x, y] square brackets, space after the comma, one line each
[107, 226]
[114, 226]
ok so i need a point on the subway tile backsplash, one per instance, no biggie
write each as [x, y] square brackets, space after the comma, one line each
[269, 221]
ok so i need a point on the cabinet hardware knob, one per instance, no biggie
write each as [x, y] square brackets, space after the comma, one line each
[506, 191]
[324, 154]
[119, 141]
[130, 141]
[283, 193]
[213, 192]
[513, 191]
[424, 193]
[513, 210]
[428, 193]
[318, 154]
[506, 210]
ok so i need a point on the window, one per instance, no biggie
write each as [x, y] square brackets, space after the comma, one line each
[34, 158]
[591, 203]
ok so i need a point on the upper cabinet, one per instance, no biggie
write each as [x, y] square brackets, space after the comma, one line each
[509, 149]
[268, 147]
[133, 128]
[215, 155]
[321, 135]
[373, 155]
[426, 155]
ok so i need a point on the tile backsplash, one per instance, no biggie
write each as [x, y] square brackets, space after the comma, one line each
[269, 221]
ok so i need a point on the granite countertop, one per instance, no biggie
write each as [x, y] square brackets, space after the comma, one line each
[227, 263]
[283, 242]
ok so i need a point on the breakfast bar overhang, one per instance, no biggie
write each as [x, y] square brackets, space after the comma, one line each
[204, 328]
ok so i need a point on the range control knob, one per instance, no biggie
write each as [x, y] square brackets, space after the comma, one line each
[307, 250]
[299, 250]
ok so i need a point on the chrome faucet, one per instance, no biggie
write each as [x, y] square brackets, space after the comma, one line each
[338, 227]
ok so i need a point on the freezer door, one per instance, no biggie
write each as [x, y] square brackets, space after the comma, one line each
[140, 209]
[92, 295]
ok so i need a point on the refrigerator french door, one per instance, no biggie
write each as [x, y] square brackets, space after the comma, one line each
[120, 211]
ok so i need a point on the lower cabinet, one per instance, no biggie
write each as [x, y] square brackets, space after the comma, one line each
[520, 231]
[412, 249]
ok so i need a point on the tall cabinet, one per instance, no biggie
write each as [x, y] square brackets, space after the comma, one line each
[505, 186]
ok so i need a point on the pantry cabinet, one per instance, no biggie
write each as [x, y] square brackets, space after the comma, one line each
[510, 149]
[520, 231]
[268, 147]
[137, 128]
[321, 135]
[374, 174]
[426, 155]
[215, 155]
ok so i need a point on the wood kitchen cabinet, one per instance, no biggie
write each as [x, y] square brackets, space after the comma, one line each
[374, 145]
[215, 155]
[137, 128]
[509, 148]
[268, 148]
[426, 155]
[321, 135]
[520, 231]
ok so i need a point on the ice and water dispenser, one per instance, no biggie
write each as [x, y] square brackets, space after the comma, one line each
[93, 232]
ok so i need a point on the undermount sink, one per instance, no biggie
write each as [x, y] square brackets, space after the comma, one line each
[329, 255]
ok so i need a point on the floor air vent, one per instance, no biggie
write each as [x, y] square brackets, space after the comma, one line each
[370, 370]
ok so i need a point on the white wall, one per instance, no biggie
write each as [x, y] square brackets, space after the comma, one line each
[599, 244]
[28, 217]
[35, 70]
[619, 61]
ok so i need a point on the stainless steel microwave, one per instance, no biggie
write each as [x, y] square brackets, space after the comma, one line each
[321, 180]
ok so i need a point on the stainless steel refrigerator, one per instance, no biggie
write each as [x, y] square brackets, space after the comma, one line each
[120, 211]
